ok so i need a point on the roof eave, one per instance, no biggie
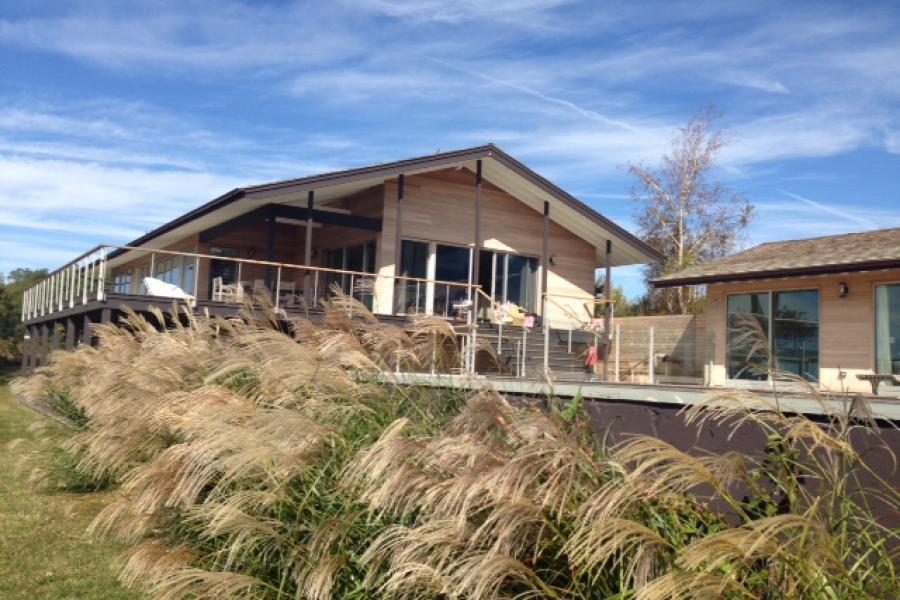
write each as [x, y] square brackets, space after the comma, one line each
[870, 265]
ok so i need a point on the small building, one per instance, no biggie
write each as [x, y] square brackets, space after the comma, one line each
[472, 232]
[829, 308]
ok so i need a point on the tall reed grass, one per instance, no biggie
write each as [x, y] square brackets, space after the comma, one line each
[255, 458]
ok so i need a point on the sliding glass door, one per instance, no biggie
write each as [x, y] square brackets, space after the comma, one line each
[887, 329]
[773, 331]
[410, 294]
[433, 270]
[509, 278]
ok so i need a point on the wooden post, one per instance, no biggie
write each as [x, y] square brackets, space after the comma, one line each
[398, 239]
[607, 309]
[26, 348]
[651, 359]
[545, 270]
[105, 315]
[54, 336]
[86, 334]
[271, 224]
[70, 333]
[307, 252]
[618, 349]
[476, 262]
[44, 350]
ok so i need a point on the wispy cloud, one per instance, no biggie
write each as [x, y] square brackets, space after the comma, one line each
[848, 216]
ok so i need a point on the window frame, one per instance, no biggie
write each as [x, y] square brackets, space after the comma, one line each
[874, 286]
[771, 324]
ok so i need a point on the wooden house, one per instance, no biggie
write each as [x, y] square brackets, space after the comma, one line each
[471, 234]
[828, 309]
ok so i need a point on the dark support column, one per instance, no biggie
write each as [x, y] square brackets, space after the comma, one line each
[307, 252]
[44, 350]
[54, 336]
[545, 260]
[271, 226]
[86, 334]
[105, 315]
[607, 310]
[70, 333]
[397, 238]
[26, 348]
[477, 250]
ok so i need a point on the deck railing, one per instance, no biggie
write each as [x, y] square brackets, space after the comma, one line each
[90, 277]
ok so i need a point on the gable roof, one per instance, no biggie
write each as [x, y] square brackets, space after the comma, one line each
[815, 256]
[499, 168]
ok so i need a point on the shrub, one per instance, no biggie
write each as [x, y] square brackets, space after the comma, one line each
[255, 459]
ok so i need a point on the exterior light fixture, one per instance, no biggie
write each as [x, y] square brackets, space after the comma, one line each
[552, 259]
[843, 289]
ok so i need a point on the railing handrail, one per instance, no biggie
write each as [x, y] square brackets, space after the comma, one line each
[265, 263]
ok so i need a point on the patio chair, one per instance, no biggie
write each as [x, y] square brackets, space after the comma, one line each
[159, 288]
[230, 292]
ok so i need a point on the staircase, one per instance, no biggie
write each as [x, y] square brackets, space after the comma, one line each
[563, 364]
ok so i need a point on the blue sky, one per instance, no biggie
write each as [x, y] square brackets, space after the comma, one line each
[115, 117]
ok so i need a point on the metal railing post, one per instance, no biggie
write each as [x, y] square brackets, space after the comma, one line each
[277, 286]
[652, 359]
[196, 278]
[618, 345]
[474, 319]
[315, 301]
[546, 347]
[524, 349]
[101, 278]
[84, 283]
[352, 288]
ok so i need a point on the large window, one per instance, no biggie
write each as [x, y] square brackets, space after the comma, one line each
[122, 283]
[887, 329]
[509, 278]
[358, 258]
[445, 268]
[778, 326]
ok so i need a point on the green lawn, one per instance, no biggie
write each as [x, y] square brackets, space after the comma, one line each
[43, 550]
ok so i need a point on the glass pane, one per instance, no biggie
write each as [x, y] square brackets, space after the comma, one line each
[887, 329]
[795, 333]
[452, 264]
[356, 258]
[521, 281]
[410, 295]
[188, 286]
[748, 331]
[334, 259]
[370, 257]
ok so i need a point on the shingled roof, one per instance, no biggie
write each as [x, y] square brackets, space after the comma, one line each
[816, 256]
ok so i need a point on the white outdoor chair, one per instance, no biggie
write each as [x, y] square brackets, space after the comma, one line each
[161, 289]
[222, 292]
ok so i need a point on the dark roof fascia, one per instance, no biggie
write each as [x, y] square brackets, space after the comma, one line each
[346, 176]
[870, 265]
[384, 170]
[395, 168]
[574, 203]
[223, 200]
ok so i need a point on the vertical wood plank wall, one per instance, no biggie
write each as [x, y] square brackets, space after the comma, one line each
[440, 206]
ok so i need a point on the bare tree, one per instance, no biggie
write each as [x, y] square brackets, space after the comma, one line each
[685, 214]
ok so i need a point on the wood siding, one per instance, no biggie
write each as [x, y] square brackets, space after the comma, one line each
[846, 325]
[440, 206]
